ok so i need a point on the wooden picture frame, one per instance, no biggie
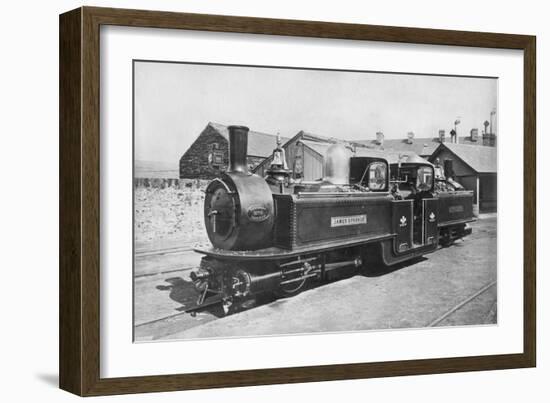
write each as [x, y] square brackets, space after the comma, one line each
[79, 346]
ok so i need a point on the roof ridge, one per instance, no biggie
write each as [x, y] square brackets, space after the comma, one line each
[216, 125]
[469, 145]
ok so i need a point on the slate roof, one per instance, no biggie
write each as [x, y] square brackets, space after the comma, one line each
[319, 147]
[303, 135]
[391, 156]
[420, 145]
[259, 144]
[480, 159]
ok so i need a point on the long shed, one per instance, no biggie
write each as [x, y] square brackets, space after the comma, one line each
[475, 168]
[305, 154]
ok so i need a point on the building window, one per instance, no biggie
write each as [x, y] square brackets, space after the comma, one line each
[217, 158]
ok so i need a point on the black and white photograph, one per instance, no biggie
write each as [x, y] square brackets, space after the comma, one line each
[274, 200]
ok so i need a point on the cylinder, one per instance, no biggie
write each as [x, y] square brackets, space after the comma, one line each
[238, 145]
[262, 282]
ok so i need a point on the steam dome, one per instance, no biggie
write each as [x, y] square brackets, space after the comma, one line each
[337, 161]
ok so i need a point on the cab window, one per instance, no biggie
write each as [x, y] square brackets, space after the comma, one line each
[377, 176]
[424, 178]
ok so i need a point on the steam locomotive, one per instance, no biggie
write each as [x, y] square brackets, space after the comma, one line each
[274, 235]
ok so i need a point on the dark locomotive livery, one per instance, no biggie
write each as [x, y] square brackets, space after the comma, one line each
[273, 235]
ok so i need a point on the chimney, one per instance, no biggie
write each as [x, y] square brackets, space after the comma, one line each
[380, 138]
[453, 136]
[489, 139]
[238, 145]
[441, 136]
[454, 132]
[474, 134]
[410, 137]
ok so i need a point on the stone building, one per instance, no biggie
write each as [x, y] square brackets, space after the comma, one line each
[209, 153]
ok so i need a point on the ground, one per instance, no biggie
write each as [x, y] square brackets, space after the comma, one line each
[450, 287]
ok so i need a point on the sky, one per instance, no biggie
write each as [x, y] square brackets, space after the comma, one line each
[175, 101]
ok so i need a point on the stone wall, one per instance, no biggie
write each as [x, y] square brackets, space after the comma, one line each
[162, 183]
[169, 209]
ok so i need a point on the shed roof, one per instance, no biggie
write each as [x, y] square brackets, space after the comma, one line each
[307, 137]
[391, 156]
[318, 147]
[480, 159]
[303, 135]
[259, 144]
[419, 145]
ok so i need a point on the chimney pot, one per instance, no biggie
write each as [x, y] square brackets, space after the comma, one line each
[474, 134]
[380, 138]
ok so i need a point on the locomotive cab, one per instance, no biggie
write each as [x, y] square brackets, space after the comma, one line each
[412, 180]
[411, 175]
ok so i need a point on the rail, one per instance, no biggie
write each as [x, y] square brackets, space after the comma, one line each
[183, 248]
[455, 308]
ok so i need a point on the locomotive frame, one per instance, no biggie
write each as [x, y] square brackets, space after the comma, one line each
[79, 200]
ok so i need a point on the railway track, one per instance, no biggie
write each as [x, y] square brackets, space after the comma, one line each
[433, 323]
[167, 270]
[150, 262]
[463, 303]
[162, 251]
